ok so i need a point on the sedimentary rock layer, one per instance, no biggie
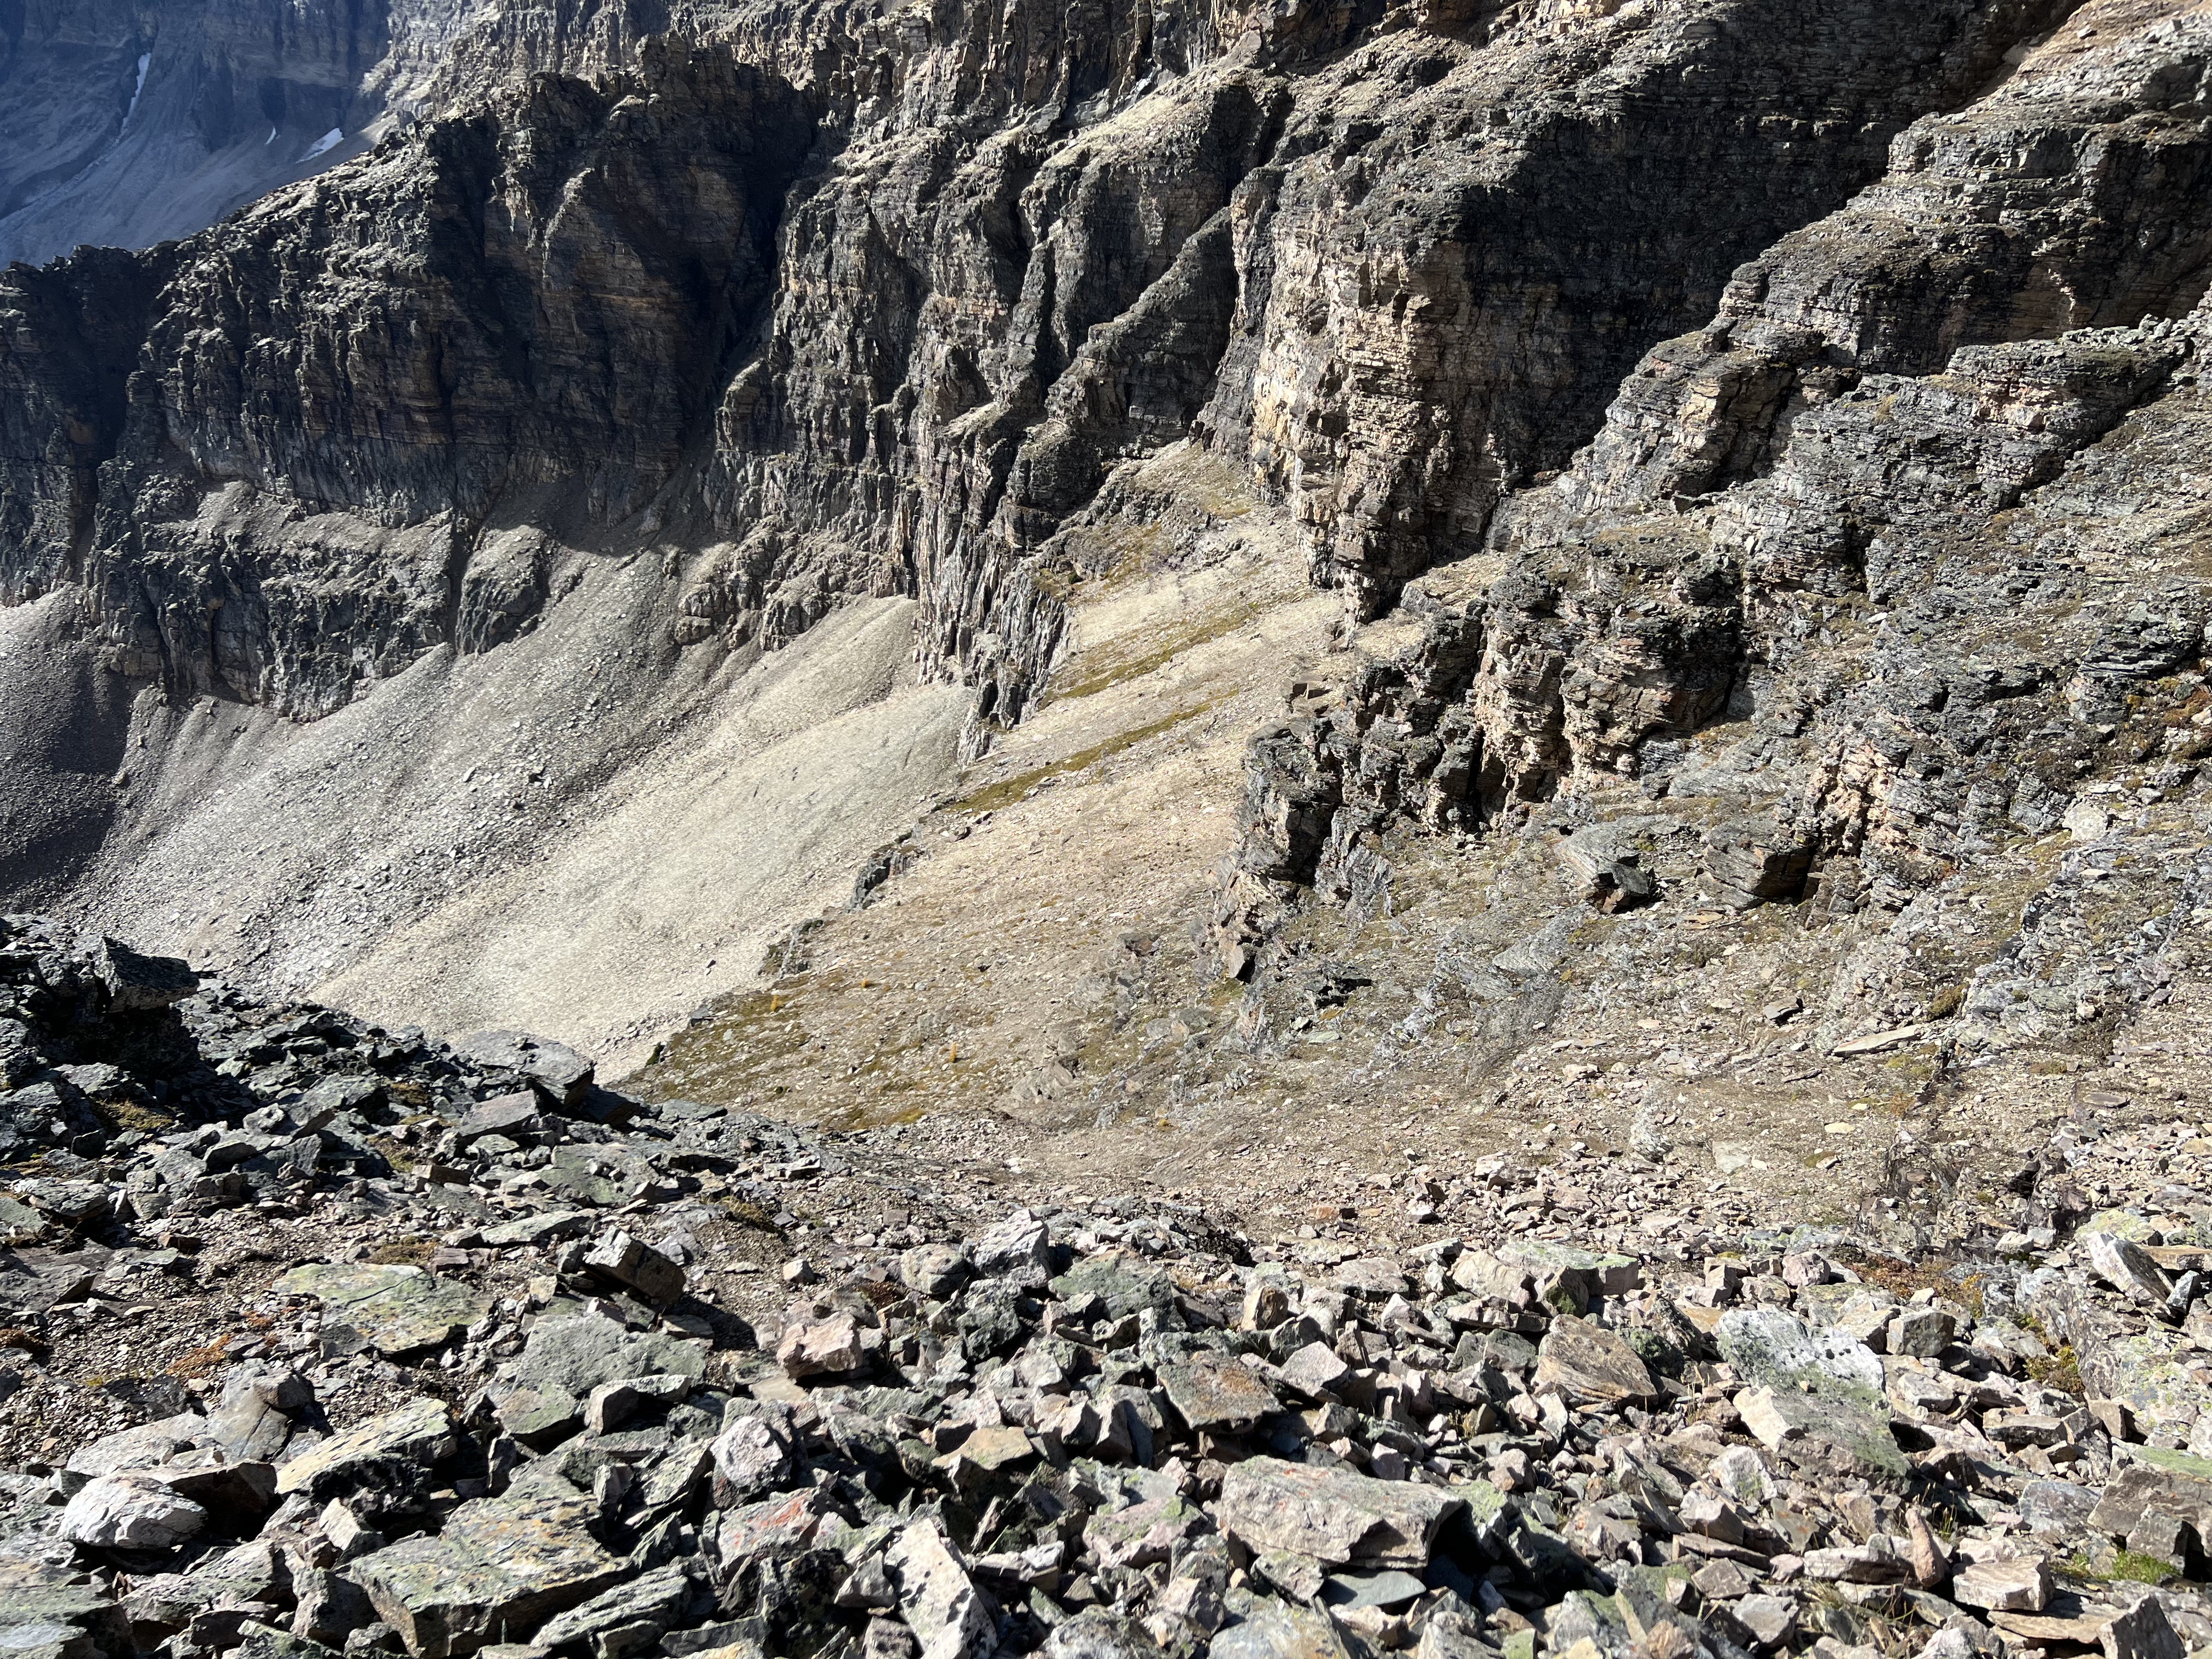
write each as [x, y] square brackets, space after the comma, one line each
[823, 305]
[1862, 581]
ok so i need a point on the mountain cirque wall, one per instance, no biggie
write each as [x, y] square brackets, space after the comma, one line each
[1893, 569]
[788, 310]
[1399, 278]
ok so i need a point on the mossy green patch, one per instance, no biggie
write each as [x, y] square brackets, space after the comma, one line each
[1118, 662]
[2138, 1568]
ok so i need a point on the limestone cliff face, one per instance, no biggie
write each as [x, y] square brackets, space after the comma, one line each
[1858, 581]
[823, 302]
[334, 397]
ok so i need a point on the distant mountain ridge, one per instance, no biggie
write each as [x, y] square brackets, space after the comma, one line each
[126, 122]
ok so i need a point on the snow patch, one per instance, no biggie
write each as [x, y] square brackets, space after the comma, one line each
[145, 60]
[270, 139]
[330, 141]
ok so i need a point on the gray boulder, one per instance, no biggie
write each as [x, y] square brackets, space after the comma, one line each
[501, 1567]
[132, 1511]
[1334, 1516]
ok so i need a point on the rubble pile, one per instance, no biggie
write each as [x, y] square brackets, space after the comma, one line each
[1127, 1432]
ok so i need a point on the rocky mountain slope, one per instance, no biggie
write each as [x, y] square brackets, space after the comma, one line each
[794, 313]
[676, 1379]
[1390, 818]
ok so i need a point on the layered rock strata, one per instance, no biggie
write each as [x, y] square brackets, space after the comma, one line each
[832, 308]
[1866, 579]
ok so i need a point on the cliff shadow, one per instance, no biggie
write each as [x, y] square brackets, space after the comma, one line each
[63, 728]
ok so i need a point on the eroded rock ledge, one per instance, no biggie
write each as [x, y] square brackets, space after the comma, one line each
[1881, 572]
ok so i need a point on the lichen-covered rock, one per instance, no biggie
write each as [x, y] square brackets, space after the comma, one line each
[950, 1618]
[497, 1566]
[402, 1310]
[420, 1433]
[1332, 1515]
[1589, 1362]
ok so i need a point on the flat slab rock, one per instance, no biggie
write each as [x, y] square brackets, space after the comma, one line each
[401, 1309]
[144, 1447]
[1773, 1349]
[68, 1619]
[130, 1511]
[575, 1356]
[1591, 1364]
[1213, 1391]
[2019, 1585]
[36, 1281]
[543, 1228]
[1789, 1423]
[498, 1571]
[1334, 1516]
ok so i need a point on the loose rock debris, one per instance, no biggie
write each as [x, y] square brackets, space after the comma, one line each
[494, 1395]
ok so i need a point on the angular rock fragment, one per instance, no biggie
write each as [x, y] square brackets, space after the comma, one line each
[401, 1309]
[1332, 1515]
[636, 1266]
[576, 1355]
[2128, 1267]
[1213, 1391]
[832, 1346]
[752, 1455]
[1277, 1632]
[1590, 1364]
[611, 1404]
[498, 1568]
[656, 1599]
[2140, 1493]
[506, 1114]
[131, 1511]
[1803, 1425]
[1018, 1250]
[420, 1433]
[2021, 1584]
[39, 1281]
[1315, 1370]
[2141, 1632]
[564, 1075]
[1859, 1563]
[951, 1619]
[138, 983]
[141, 1448]
[62, 1620]
[1775, 1350]
[934, 1271]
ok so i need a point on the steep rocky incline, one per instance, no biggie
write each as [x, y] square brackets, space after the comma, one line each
[1893, 566]
[1391, 281]
[327, 1341]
